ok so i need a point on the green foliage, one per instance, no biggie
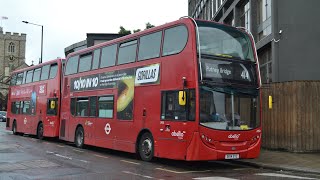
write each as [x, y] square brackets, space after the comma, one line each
[137, 30]
[148, 25]
[124, 31]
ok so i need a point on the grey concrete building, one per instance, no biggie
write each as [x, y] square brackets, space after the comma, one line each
[286, 33]
[92, 39]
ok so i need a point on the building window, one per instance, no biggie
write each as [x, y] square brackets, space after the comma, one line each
[266, 9]
[11, 47]
[264, 18]
[265, 65]
[245, 16]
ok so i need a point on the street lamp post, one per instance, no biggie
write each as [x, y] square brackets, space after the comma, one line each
[41, 37]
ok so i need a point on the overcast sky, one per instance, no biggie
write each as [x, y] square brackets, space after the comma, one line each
[66, 22]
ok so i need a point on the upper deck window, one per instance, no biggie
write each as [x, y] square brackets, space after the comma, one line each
[53, 71]
[150, 46]
[36, 75]
[29, 76]
[108, 56]
[19, 78]
[13, 80]
[127, 52]
[96, 57]
[175, 39]
[72, 65]
[45, 72]
[85, 62]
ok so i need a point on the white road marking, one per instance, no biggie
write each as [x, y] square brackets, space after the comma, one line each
[77, 150]
[130, 162]
[33, 139]
[59, 145]
[127, 172]
[84, 161]
[181, 172]
[282, 175]
[214, 178]
[49, 152]
[101, 156]
[65, 157]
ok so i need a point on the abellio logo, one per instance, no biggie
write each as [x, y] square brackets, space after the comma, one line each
[85, 83]
[234, 136]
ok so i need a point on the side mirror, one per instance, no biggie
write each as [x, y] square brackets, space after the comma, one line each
[182, 98]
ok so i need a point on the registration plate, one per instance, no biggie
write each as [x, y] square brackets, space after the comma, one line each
[232, 156]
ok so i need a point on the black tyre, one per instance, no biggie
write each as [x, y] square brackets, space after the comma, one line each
[79, 137]
[40, 131]
[14, 128]
[146, 147]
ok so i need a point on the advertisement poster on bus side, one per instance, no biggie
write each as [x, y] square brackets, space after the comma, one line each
[124, 80]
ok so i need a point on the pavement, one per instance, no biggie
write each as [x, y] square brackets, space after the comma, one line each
[286, 161]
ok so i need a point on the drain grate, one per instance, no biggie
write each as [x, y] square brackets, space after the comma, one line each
[27, 165]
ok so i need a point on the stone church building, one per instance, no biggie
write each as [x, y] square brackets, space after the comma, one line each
[12, 57]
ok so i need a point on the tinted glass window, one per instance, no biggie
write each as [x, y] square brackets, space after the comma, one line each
[25, 107]
[36, 74]
[24, 77]
[93, 106]
[108, 56]
[127, 52]
[15, 107]
[82, 107]
[53, 70]
[174, 40]
[13, 80]
[73, 106]
[85, 62]
[96, 57]
[106, 107]
[19, 78]
[29, 76]
[45, 72]
[72, 65]
[150, 46]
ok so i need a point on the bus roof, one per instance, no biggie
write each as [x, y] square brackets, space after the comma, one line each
[38, 65]
[131, 36]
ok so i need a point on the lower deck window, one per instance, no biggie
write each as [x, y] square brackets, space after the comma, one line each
[106, 107]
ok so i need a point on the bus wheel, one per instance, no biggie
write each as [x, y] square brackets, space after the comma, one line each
[79, 138]
[146, 147]
[14, 128]
[40, 131]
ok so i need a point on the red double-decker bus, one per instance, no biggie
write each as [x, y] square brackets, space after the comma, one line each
[34, 100]
[186, 90]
